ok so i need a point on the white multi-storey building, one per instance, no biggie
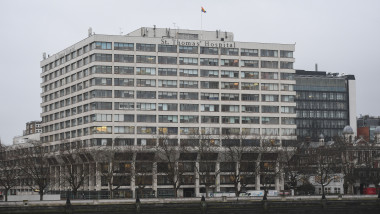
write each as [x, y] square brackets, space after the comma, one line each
[124, 90]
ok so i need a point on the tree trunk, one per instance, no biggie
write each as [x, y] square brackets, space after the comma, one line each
[323, 191]
[41, 195]
[6, 194]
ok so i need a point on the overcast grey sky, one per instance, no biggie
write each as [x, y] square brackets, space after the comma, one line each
[341, 36]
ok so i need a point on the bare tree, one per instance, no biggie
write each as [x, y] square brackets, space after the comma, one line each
[172, 161]
[325, 162]
[75, 173]
[242, 154]
[207, 156]
[35, 167]
[115, 167]
[9, 168]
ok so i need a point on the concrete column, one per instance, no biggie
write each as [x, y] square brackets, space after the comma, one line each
[154, 183]
[277, 178]
[217, 179]
[258, 184]
[197, 192]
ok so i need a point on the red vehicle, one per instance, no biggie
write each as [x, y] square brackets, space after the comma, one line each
[370, 191]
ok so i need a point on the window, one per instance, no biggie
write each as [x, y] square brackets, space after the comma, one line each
[101, 106]
[188, 72]
[250, 108]
[286, 54]
[168, 130]
[123, 46]
[209, 96]
[249, 86]
[230, 108]
[229, 51]
[145, 94]
[189, 95]
[101, 118]
[124, 118]
[269, 64]
[249, 75]
[100, 57]
[167, 95]
[124, 106]
[286, 65]
[188, 49]
[269, 75]
[123, 82]
[189, 107]
[188, 84]
[101, 69]
[287, 76]
[230, 85]
[124, 129]
[209, 50]
[101, 45]
[146, 83]
[189, 130]
[228, 131]
[167, 83]
[229, 74]
[189, 119]
[269, 86]
[249, 63]
[168, 118]
[188, 61]
[288, 109]
[269, 109]
[145, 71]
[228, 96]
[146, 118]
[101, 130]
[167, 48]
[249, 97]
[167, 72]
[146, 47]
[269, 98]
[287, 98]
[146, 59]
[249, 52]
[268, 53]
[124, 58]
[209, 73]
[100, 94]
[229, 62]
[146, 106]
[269, 120]
[269, 131]
[288, 121]
[286, 87]
[146, 130]
[167, 60]
[250, 120]
[230, 119]
[209, 61]
[210, 84]
[210, 119]
[209, 108]
[168, 107]
[101, 81]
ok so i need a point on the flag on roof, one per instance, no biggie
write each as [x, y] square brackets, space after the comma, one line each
[203, 10]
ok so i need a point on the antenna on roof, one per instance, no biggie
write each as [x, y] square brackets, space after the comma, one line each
[44, 55]
[89, 31]
[316, 67]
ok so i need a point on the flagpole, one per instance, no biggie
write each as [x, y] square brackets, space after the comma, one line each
[201, 20]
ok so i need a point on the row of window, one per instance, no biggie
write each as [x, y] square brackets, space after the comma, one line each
[166, 49]
[162, 72]
[167, 130]
[160, 95]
